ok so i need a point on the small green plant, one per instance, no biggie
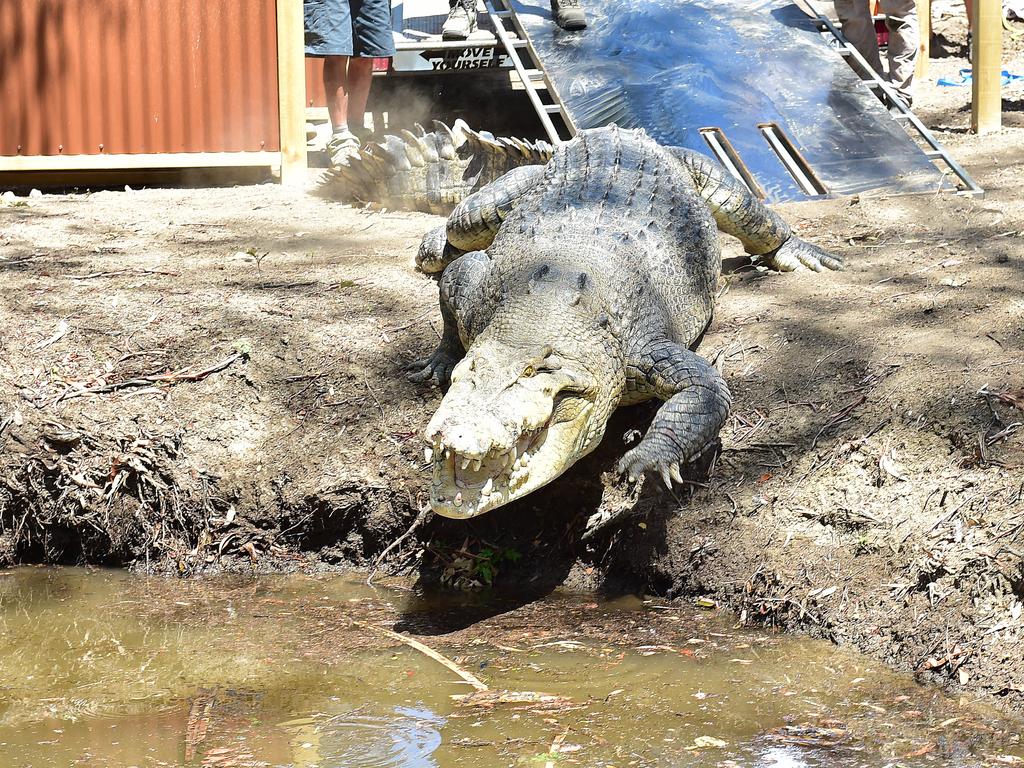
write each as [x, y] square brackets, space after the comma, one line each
[487, 562]
[546, 757]
[471, 570]
[243, 346]
[251, 250]
[864, 545]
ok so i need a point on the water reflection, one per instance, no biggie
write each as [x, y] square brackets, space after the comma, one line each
[407, 738]
[782, 757]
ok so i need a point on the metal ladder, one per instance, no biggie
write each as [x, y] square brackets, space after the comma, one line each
[534, 79]
[901, 113]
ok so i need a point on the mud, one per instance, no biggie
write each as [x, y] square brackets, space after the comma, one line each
[205, 379]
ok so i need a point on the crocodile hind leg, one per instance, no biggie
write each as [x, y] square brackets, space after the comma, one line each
[761, 230]
[475, 221]
[459, 294]
[696, 405]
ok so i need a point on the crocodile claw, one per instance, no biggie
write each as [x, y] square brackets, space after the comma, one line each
[436, 368]
[646, 458]
[796, 254]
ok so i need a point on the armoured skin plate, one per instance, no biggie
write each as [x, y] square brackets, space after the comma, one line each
[675, 67]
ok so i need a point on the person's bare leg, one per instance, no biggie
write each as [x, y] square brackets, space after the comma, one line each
[360, 76]
[336, 87]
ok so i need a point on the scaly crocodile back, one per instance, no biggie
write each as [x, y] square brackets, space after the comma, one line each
[430, 172]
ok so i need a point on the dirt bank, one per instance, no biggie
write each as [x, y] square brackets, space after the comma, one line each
[196, 379]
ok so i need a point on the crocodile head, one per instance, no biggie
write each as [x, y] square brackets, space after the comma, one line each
[515, 418]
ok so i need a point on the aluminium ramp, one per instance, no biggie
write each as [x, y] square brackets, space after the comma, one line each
[755, 83]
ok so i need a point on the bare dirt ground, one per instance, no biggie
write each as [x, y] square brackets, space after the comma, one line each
[203, 378]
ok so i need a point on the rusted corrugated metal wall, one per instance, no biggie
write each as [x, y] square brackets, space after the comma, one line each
[137, 76]
[315, 96]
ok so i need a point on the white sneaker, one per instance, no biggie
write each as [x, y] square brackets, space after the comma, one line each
[461, 22]
[341, 147]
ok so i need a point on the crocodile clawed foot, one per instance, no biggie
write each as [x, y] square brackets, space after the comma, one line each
[796, 254]
[436, 368]
[657, 460]
[434, 251]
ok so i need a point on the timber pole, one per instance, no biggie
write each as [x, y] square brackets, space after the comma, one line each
[924, 47]
[986, 66]
[291, 89]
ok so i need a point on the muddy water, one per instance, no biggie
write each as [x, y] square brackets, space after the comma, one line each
[105, 669]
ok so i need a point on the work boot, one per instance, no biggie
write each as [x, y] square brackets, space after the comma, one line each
[461, 22]
[569, 14]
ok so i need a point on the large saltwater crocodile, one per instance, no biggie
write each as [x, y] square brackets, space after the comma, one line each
[571, 288]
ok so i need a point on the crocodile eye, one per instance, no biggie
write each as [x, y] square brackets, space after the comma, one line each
[529, 371]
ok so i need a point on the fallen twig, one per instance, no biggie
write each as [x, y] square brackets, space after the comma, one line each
[144, 381]
[429, 652]
[198, 722]
[837, 418]
[425, 514]
[419, 318]
[62, 330]
[118, 272]
[555, 746]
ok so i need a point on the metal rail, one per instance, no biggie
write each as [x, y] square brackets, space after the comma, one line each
[936, 153]
[544, 111]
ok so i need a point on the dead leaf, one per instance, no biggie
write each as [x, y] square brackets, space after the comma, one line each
[704, 742]
[889, 465]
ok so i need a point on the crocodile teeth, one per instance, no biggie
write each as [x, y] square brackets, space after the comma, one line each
[458, 499]
[475, 465]
[488, 487]
[428, 454]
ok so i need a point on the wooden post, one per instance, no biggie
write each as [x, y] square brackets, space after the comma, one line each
[986, 66]
[291, 89]
[924, 45]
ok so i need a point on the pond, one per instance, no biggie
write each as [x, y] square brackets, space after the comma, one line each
[104, 668]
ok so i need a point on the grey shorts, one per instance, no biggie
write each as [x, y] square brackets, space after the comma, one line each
[349, 28]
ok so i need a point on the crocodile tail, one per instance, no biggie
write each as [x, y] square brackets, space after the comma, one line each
[430, 172]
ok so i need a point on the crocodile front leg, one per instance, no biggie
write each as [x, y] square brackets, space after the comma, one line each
[475, 221]
[762, 231]
[435, 251]
[697, 404]
[459, 296]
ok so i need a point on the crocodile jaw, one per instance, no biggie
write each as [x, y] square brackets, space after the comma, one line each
[467, 483]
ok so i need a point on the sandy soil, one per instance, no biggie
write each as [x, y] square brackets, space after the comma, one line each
[203, 378]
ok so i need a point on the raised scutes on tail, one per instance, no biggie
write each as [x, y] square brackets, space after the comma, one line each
[430, 172]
